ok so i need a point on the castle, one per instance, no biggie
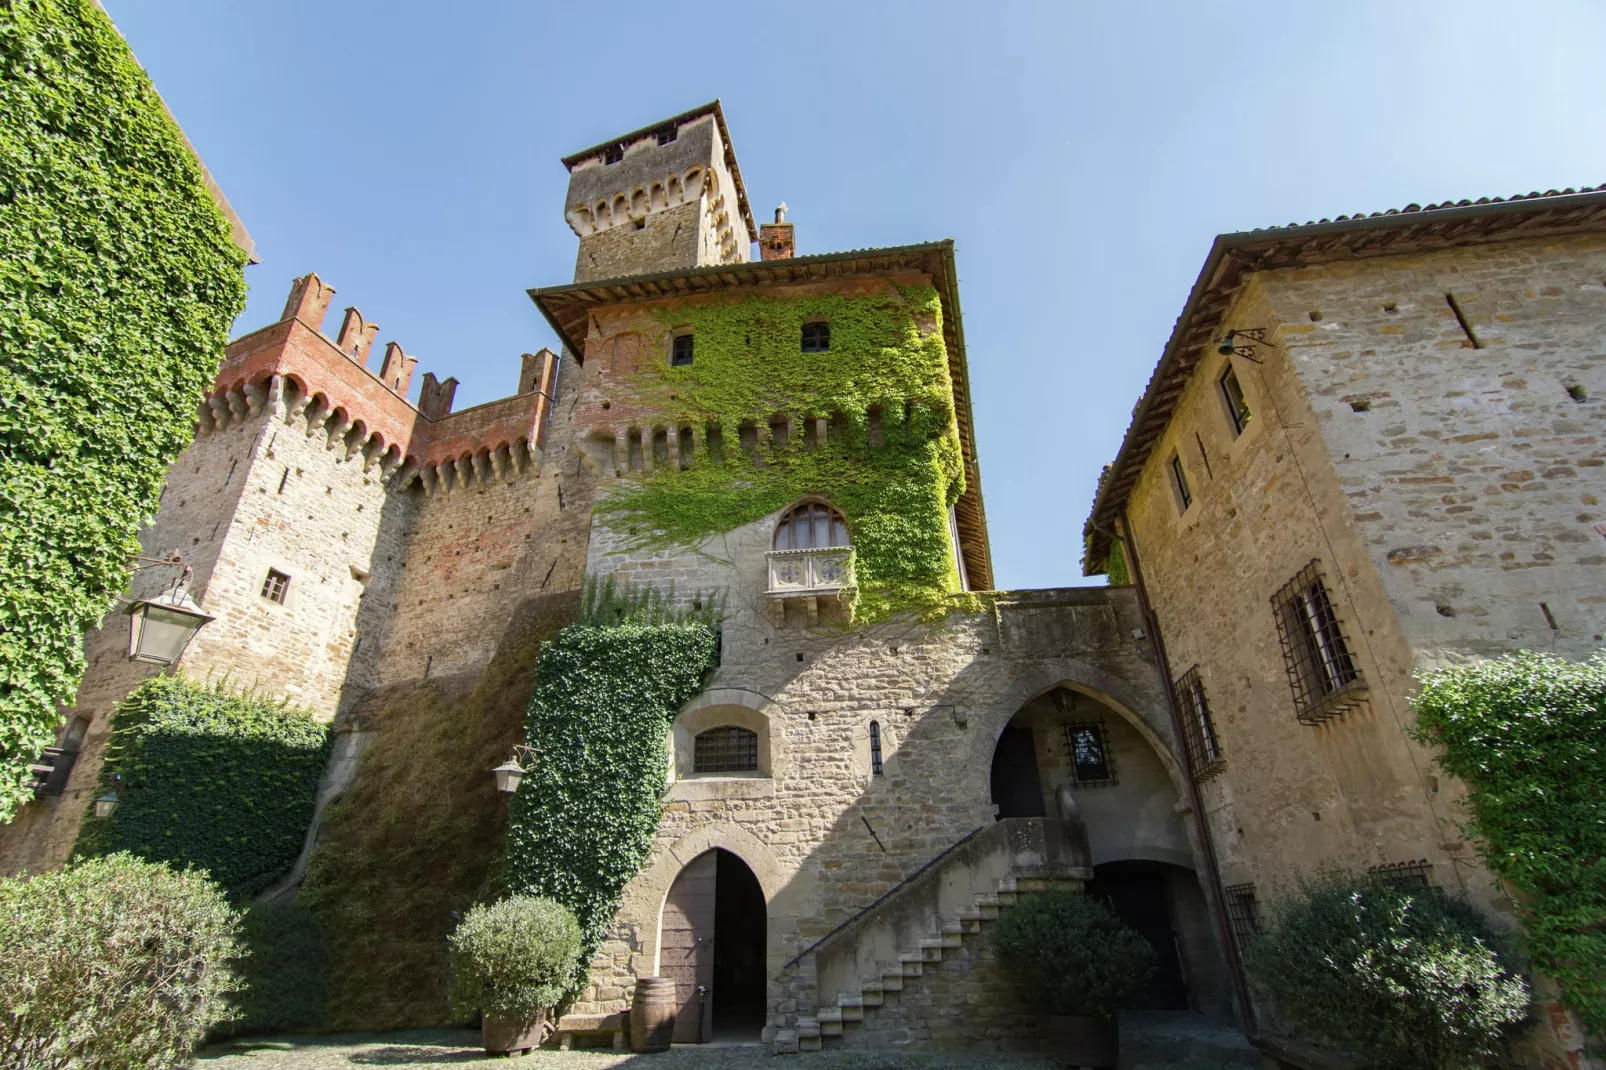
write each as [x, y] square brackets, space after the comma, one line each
[889, 751]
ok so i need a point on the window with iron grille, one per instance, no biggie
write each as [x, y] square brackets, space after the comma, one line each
[1412, 874]
[613, 154]
[816, 337]
[875, 747]
[1179, 484]
[1088, 748]
[680, 351]
[1321, 672]
[1243, 914]
[726, 749]
[1199, 728]
[1233, 393]
[276, 586]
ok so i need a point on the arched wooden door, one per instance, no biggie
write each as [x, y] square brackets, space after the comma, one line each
[686, 946]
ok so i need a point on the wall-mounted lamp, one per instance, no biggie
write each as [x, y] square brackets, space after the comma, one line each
[1242, 342]
[510, 774]
[160, 628]
[108, 802]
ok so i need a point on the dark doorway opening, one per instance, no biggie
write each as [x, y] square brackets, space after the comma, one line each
[1015, 784]
[712, 947]
[1137, 892]
[739, 974]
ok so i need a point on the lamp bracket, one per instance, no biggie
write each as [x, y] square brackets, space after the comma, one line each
[1252, 337]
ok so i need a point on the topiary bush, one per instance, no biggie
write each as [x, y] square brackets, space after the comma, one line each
[223, 780]
[1403, 976]
[111, 963]
[1527, 735]
[1071, 954]
[118, 282]
[512, 958]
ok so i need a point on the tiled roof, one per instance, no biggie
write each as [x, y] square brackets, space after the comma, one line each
[1233, 257]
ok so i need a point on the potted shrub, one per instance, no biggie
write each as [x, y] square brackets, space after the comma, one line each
[1077, 962]
[511, 960]
[1402, 975]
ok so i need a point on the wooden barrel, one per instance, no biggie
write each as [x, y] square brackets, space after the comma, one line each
[652, 1014]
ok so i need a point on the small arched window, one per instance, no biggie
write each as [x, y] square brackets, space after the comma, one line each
[726, 749]
[811, 526]
[875, 748]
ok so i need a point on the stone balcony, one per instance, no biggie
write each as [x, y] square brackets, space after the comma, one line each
[805, 576]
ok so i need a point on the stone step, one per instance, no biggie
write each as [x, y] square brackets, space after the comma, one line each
[828, 1016]
[1008, 884]
[810, 1043]
[852, 1012]
[892, 981]
[931, 949]
[831, 1029]
[913, 963]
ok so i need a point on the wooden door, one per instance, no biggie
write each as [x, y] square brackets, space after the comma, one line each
[686, 947]
[1016, 787]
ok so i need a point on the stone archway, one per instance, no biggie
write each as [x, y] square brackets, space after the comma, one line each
[712, 943]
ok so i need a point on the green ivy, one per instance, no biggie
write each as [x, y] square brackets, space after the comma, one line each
[886, 353]
[1527, 734]
[583, 822]
[118, 282]
[219, 780]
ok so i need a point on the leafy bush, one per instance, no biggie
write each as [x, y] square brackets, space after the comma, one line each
[1527, 734]
[1071, 954]
[584, 820]
[118, 282]
[1403, 976]
[283, 972]
[211, 778]
[111, 963]
[510, 959]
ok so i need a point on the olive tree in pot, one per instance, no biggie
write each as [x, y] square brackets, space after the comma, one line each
[511, 960]
[1077, 962]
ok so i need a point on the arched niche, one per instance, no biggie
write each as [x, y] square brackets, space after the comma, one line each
[715, 708]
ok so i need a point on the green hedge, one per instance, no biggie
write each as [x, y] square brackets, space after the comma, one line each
[211, 778]
[584, 820]
[118, 282]
[1527, 734]
[284, 972]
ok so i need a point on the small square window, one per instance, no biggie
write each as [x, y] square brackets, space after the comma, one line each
[668, 134]
[1088, 748]
[1179, 484]
[816, 337]
[680, 351]
[1233, 393]
[613, 155]
[276, 586]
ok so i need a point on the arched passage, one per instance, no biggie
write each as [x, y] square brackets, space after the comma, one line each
[711, 945]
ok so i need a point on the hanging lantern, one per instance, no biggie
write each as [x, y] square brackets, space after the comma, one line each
[508, 776]
[160, 628]
[106, 804]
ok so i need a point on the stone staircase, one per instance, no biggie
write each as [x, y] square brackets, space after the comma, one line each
[913, 970]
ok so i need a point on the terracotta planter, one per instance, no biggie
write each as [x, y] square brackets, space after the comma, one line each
[1079, 1041]
[504, 1036]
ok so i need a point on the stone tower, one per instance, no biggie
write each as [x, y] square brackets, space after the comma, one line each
[663, 198]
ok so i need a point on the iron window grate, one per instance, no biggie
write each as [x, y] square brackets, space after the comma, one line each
[1321, 671]
[1198, 726]
[1087, 747]
[726, 749]
[875, 748]
[1243, 914]
[1413, 874]
[816, 337]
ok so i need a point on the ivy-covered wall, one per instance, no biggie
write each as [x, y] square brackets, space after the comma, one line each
[1527, 734]
[886, 357]
[118, 282]
[582, 824]
[222, 780]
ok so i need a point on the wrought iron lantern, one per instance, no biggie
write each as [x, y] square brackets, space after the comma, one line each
[160, 628]
[108, 802]
[510, 773]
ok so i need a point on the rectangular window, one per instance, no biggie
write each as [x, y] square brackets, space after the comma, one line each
[1411, 874]
[680, 351]
[875, 748]
[1243, 914]
[816, 337]
[276, 586]
[1321, 672]
[1088, 748]
[1233, 393]
[1179, 483]
[668, 134]
[613, 155]
[1204, 750]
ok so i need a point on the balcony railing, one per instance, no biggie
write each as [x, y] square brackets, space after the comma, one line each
[800, 573]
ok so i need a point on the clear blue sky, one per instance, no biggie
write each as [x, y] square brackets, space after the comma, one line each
[1081, 155]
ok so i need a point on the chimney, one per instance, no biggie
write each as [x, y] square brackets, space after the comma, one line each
[775, 239]
[397, 368]
[309, 300]
[356, 336]
[435, 397]
[532, 376]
